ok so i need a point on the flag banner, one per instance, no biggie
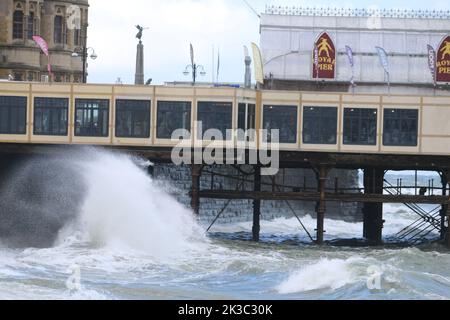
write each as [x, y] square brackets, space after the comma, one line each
[42, 44]
[258, 64]
[351, 61]
[432, 62]
[218, 65]
[324, 58]
[350, 56]
[316, 62]
[443, 61]
[192, 54]
[383, 59]
[44, 47]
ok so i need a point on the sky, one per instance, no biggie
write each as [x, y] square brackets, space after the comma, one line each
[227, 25]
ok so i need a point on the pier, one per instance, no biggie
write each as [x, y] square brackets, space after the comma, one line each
[406, 133]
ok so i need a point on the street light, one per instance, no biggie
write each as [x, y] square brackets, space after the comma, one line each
[194, 68]
[84, 52]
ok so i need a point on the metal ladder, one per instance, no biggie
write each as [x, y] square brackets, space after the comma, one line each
[417, 231]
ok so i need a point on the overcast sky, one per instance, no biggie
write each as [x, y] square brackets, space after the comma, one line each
[173, 24]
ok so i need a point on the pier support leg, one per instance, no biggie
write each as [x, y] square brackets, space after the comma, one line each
[151, 170]
[445, 208]
[448, 227]
[373, 212]
[257, 205]
[322, 176]
[196, 171]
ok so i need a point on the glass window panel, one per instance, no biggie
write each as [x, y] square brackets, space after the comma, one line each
[18, 25]
[241, 116]
[319, 125]
[133, 118]
[360, 126]
[13, 115]
[282, 118]
[91, 117]
[58, 30]
[400, 127]
[50, 116]
[215, 115]
[172, 115]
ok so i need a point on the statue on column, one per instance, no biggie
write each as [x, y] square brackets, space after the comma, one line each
[140, 33]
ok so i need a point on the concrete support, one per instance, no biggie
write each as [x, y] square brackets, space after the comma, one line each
[256, 205]
[373, 212]
[322, 177]
[139, 76]
[196, 172]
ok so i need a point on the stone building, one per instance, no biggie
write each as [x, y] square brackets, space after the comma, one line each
[62, 23]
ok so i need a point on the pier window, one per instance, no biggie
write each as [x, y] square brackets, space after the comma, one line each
[319, 125]
[172, 115]
[282, 118]
[50, 116]
[215, 115]
[360, 126]
[91, 117]
[246, 116]
[13, 115]
[400, 127]
[133, 118]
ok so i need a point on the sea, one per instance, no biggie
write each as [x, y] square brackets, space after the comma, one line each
[123, 236]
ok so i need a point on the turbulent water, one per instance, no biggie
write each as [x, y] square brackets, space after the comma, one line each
[127, 239]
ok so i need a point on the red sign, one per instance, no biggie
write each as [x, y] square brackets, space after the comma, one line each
[443, 61]
[324, 58]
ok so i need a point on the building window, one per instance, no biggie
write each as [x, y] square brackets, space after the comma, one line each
[31, 24]
[18, 76]
[13, 115]
[91, 117]
[18, 24]
[400, 127]
[133, 118]
[282, 118]
[77, 37]
[172, 115]
[58, 30]
[319, 125]
[50, 116]
[360, 126]
[215, 115]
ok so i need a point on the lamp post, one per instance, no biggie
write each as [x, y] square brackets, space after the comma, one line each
[195, 68]
[84, 52]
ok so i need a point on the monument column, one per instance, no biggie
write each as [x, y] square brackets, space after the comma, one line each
[139, 77]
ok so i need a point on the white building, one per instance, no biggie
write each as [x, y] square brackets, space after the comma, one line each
[288, 36]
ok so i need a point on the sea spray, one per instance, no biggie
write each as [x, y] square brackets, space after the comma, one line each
[125, 207]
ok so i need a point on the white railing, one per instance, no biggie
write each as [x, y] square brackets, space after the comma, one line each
[349, 12]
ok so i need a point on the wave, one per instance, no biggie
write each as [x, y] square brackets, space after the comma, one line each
[324, 274]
